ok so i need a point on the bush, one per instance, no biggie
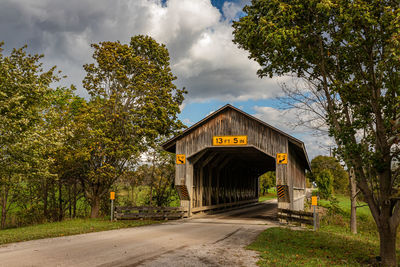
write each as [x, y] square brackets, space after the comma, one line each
[324, 182]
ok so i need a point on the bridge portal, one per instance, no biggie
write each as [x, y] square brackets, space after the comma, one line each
[220, 158]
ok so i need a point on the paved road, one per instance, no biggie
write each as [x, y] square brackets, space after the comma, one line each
[211, 240]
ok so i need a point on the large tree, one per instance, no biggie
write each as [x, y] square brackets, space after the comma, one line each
[350, 51]
[24, 95]
[133, 102]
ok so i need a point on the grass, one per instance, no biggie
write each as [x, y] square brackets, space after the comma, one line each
[345, 205]
[271, 194]
[332, 245]
[64, 228]
[327, 247]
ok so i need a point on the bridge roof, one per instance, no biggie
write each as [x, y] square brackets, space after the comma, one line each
[170, 145]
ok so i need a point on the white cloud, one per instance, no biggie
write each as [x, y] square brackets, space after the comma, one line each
[285, 120]
[231, 10]
[197, 35]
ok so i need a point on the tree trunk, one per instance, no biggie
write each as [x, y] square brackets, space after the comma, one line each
[95, 207]
[151, 195]
[60, 202]
[353, 200]
[45, 196]
[53, 203]
[74, 205]
[387, 236]
[69, 201]
[4, 207]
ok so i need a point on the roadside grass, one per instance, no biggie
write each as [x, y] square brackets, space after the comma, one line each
[271, 194]
[332, 245]
[65, 228]
[345, 205]
[327, 247]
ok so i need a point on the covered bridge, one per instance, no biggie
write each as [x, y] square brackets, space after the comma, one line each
[220, 158]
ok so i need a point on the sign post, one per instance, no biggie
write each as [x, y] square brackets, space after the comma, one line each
[112, 197]
[314, 203]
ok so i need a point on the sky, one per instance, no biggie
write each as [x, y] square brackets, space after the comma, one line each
[197, 33]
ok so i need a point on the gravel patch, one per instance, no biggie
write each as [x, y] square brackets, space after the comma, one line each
[228, 251]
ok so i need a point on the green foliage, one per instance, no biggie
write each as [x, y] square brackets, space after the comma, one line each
[133, 104]
[25, 142]
[159, 175]
[324, 181]
[266, 181]
[340, 176]
[60, 153]
[349, 51]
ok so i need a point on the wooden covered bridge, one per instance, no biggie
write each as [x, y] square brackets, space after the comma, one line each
[220, 158]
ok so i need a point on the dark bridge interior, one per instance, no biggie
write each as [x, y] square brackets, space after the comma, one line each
[226, 175]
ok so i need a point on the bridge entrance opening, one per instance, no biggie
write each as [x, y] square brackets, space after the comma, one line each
[227, 176]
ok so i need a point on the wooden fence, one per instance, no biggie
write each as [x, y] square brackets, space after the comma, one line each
[155, 213]
[298, 216]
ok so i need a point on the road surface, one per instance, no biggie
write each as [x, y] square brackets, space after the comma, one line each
[211, 240]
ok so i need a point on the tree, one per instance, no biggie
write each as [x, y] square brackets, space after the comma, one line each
[349, 51]
[133, 103]
[324, 181]
[24, 95]
[158, 174]
[340, 177]
[59, 125]
[312, 111]
[267, 180]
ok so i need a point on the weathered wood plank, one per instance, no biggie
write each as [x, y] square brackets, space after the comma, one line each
[297, 216]
[210, 184]
[296, 212]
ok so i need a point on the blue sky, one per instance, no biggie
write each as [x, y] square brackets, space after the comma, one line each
[197, 33]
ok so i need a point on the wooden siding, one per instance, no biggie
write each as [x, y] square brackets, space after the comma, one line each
[214, 178]
[231, 122]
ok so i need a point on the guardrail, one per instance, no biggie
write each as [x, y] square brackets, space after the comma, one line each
[155, 213]
[298, 216]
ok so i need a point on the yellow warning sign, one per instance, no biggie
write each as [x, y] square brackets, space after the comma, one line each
[112, 195]
[180, 159]
[314, 201]
[231, 140]
[281, 158]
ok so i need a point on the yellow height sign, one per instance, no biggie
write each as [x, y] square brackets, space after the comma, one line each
[231, 140]
[112, 195]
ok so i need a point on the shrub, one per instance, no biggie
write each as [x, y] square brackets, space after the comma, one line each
[324, 182]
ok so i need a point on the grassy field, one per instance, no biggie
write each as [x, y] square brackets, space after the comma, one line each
[332, 245]
[64, 228]
[344, 203]
[270, 195]
[327, 247]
